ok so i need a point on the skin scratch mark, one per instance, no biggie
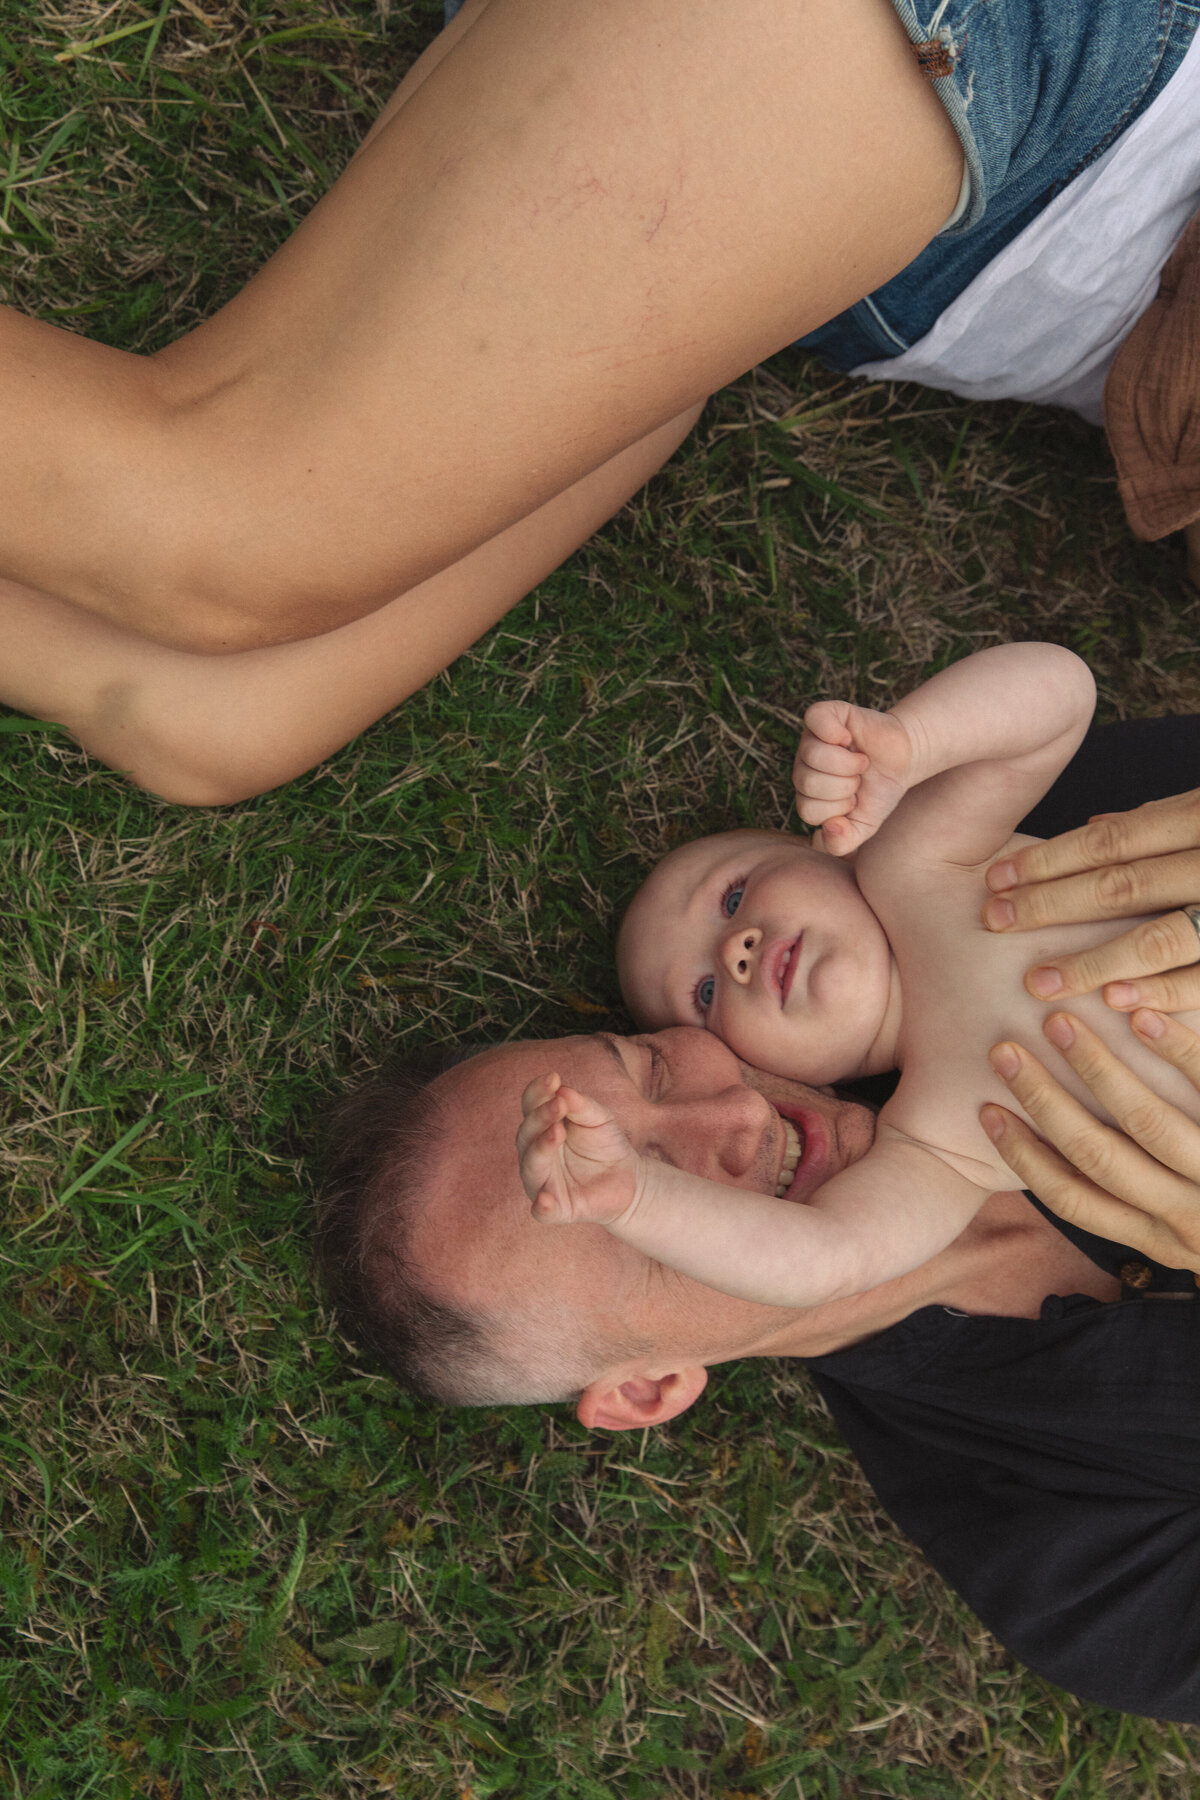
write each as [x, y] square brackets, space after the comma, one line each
[569, 199]
[622, 357]
[652, 232]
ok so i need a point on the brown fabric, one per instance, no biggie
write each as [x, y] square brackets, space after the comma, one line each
[1152, 401]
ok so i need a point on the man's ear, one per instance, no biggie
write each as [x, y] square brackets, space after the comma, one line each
[640, 1400]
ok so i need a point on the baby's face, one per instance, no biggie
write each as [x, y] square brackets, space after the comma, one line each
[766, 942]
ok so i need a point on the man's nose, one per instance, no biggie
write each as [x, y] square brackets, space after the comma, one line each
[739, 953]
[721, 1135]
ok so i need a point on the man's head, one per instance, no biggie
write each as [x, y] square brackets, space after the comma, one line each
[532, 1313]
[767, 942]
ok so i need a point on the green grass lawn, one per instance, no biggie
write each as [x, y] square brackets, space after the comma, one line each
[233, 1561]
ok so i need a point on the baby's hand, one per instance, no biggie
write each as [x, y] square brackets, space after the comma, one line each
[851, 771]
[576, 1162]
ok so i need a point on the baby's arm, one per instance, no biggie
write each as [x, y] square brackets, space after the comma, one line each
[982, 741]
[878, 1219]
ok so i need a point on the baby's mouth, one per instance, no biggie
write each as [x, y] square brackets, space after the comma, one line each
[786, 965]
[793, 1154]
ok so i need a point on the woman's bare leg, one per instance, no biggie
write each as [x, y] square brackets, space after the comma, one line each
[209, 730]
[584, 219]
[204, 730]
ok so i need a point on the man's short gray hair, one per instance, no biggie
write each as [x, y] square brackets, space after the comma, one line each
[380, 1164]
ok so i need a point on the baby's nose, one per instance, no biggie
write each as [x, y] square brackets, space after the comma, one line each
[739, 951]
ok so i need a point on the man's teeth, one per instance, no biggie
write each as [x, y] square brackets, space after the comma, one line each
[793, 1150]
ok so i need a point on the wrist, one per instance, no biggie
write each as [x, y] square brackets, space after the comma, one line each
[916, 754]
[651, 1178]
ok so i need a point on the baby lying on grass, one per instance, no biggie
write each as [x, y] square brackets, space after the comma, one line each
[865, 954]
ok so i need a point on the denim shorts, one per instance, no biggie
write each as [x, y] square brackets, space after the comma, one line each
[1036, 90]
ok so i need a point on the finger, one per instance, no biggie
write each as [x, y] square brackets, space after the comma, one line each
[1168, 942]
[829, 759]
[1168, 1134]
[838, 836]
[1176, 1043]
[818, 812]
[1109, 893]
[1116, 1160]
[1063, 1189]
[1177, 992]
[814, 786]
[847, 835]
[538, 1091]
[548, 1208]
[581, 1109]
[1156, 829]
[540, 1120]
[541, 1145]
[827, 720]
[539, 1164]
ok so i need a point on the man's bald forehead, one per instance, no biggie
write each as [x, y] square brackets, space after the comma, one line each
[476, 1222]
[507, 1066]
[542, 1292]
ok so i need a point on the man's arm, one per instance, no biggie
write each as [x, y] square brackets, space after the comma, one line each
[968, 753]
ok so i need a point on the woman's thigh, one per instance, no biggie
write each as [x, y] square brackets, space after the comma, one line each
[583, 220]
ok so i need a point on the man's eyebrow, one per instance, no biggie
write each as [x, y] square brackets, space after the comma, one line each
[610, 1044]
[639, 1077]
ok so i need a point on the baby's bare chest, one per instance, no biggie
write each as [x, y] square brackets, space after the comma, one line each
[963, 991]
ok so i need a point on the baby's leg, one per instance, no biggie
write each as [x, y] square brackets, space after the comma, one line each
[209, 730]
[583, 219]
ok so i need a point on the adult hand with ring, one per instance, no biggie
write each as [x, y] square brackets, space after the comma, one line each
[1116, 866]
[1139, 1184]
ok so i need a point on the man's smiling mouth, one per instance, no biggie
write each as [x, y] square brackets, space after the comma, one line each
[793, 1154]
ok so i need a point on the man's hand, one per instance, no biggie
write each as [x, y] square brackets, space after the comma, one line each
[577, 1165]
[852, 769]
[1118, 865]
[1139, 1185]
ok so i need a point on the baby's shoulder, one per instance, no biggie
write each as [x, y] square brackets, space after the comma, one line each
[901, 859]
[935, 1111]
[927, 894]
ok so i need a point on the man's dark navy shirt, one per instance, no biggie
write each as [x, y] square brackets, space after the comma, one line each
[1050, 1471]
[1050, 1468]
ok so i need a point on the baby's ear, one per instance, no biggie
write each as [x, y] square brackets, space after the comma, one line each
[640, 1400]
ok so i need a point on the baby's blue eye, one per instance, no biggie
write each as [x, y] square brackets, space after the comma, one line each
[705, 992]
[732, 901]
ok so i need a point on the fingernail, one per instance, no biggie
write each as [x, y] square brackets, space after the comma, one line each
[1122, 994]
[1044, 982]
[1005, 1061]
[1148, 1024]
[1002, 875]
[992, 1120]
[999, 914]
[1060, 1031]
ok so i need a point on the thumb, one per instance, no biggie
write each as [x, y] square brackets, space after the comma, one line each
[838, 836]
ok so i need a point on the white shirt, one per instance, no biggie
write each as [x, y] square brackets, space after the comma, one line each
[1045, 318]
